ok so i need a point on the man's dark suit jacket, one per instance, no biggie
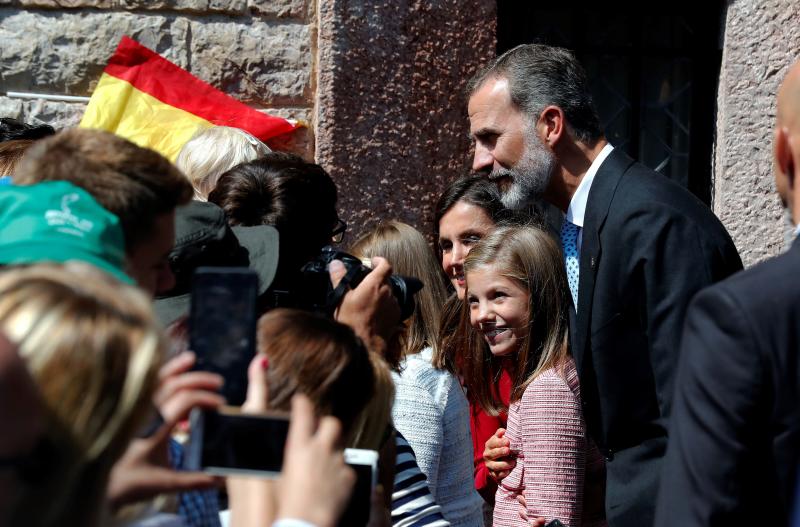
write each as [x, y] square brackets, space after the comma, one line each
[648, 246]
[735, 429]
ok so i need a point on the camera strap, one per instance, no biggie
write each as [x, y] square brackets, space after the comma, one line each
[335, 295]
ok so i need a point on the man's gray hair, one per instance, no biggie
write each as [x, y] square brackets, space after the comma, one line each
[540, 76]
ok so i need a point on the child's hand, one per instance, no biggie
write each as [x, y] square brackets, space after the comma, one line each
[530, 521]
[498, 456]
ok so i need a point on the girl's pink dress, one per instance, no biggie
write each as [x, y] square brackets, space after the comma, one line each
[559, 470]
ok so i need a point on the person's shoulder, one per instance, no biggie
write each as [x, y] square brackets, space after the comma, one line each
[645, 201]
[419, 372]
[551, 383]
[420, 368]
[642, 187]
[549, 397]
[767, 285]
[645, 188]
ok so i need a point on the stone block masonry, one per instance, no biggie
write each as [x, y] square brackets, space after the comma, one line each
[392, 124]
[762, 40]
[259, 51]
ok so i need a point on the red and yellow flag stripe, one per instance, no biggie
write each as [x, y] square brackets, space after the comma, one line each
[154, 103]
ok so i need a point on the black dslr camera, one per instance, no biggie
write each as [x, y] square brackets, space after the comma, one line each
[315, 292]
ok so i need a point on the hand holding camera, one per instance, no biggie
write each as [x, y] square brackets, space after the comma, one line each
[371, 308]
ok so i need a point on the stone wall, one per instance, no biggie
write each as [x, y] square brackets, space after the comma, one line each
[392, 122]
[762, 39]
[391, 119]
[260, 51]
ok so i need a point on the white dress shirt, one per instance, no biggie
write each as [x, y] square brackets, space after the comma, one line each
[577, 205]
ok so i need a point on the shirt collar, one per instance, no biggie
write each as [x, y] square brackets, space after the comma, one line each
[577, 205]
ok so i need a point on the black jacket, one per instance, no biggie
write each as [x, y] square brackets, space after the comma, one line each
[648, 246]
[735, 430]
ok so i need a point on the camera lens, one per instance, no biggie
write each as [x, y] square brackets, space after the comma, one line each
[404, 288]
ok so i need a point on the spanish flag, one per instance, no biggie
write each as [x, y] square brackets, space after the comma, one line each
[147, 99]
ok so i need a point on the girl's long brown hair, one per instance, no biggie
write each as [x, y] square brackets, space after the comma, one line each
[530, 257]
[409, 254]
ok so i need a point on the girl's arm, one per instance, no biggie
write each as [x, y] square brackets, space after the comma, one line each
[554, 449]
[506, 506]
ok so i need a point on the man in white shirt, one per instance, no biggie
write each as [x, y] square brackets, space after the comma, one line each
[637, 247]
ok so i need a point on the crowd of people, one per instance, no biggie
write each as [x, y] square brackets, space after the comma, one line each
[585, 348]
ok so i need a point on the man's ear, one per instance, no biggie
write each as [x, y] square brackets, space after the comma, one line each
[552, 125]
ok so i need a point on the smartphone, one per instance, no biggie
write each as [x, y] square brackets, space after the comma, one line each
[228, 442]
[222, 325]
[365, 463]
[554, 523]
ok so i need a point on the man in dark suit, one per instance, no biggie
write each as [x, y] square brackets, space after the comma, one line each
[735, 431]
[637, 247]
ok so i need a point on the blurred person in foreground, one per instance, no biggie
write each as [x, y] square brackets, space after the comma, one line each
[309, 354]
[734, 442]
[59, 222]
[94, 350]
[139, 186]
[212, 151]
[25, 439]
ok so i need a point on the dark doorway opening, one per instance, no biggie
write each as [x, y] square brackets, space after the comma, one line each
[653, 67]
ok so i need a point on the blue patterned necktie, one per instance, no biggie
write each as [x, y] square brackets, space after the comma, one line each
[569, 242]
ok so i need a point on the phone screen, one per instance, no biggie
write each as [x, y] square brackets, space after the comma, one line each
[232, 443]
[364, 462]
[222, 325]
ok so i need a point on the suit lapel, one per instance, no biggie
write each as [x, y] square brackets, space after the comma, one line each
[603, 188]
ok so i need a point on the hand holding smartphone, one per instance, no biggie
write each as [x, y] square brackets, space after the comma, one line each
[222, 325]
[229, 442]
[365, 463]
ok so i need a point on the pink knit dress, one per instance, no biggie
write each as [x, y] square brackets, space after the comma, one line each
[559, 470]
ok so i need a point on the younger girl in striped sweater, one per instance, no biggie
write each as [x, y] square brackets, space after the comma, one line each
[517, 305]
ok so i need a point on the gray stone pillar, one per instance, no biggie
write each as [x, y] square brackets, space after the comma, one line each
[391, 117]
[762, 39]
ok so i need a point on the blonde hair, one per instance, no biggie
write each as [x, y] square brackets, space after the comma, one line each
[212, 151]
[531, 258]
[94, 348]
[372, 426]
[410, 255]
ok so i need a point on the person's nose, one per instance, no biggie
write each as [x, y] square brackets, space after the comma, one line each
[458, 255]
[483, 159]
[485, 314]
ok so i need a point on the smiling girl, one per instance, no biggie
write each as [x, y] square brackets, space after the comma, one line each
[516, 298]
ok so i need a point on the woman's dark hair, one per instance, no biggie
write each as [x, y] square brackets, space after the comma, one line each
[296, 197]
[13, 130]
[475, 190]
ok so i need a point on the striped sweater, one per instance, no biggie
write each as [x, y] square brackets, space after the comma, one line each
[412, 503]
